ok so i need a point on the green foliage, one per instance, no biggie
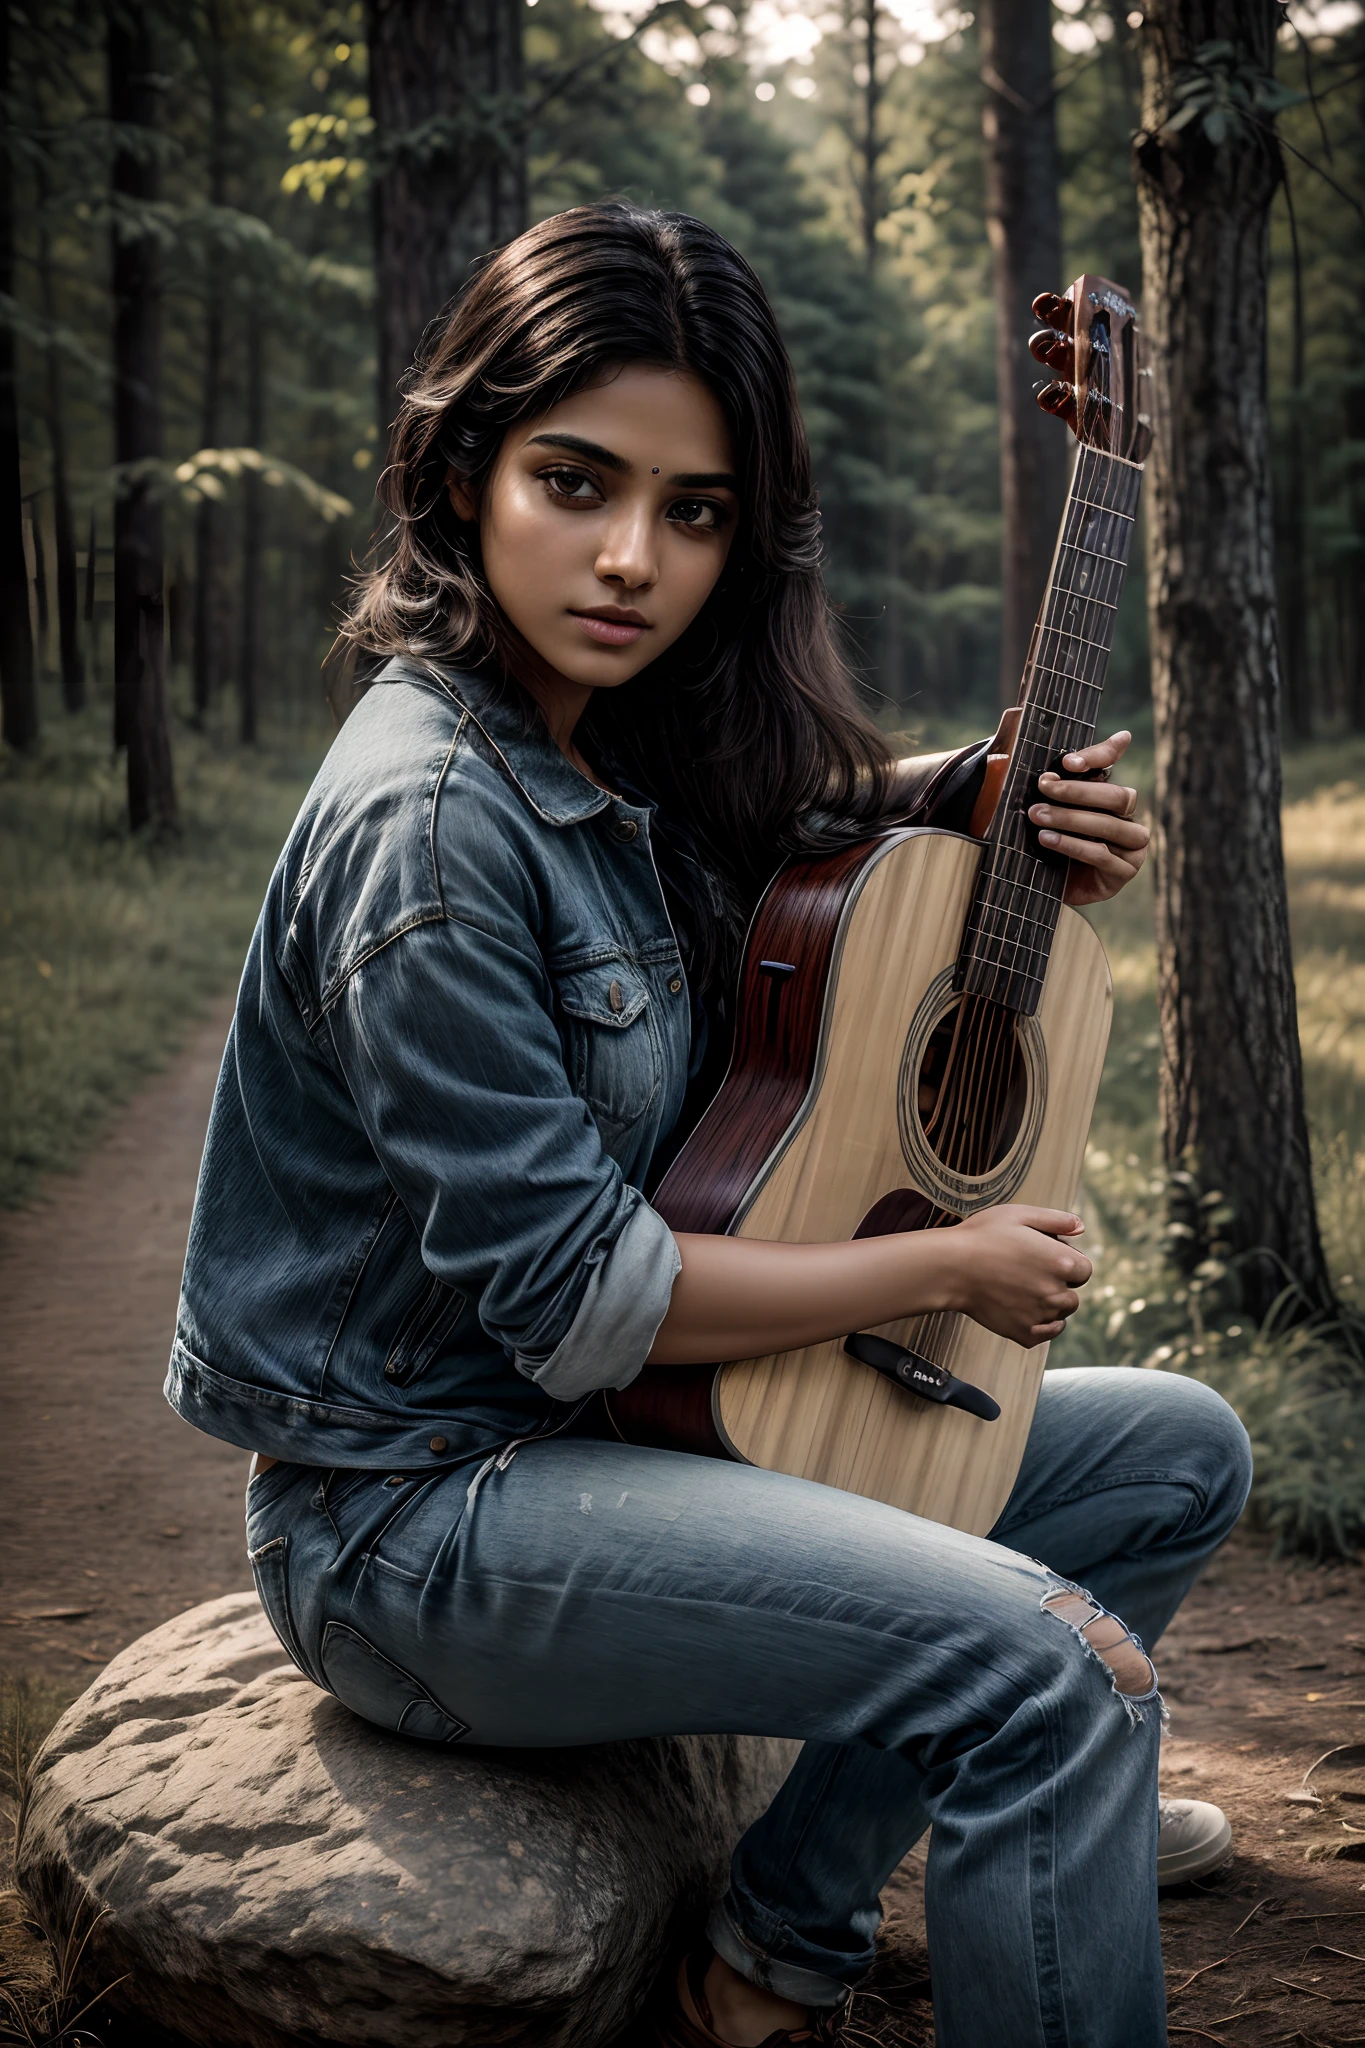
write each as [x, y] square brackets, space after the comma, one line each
[1225, 93]
[1165, 1292]
[1298, 1387]
[108, 947]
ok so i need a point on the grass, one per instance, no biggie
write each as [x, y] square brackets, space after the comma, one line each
[1300, 1391]
[110, 945]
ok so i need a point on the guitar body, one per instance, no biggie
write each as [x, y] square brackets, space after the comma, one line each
[847, 974]
[921, 1029]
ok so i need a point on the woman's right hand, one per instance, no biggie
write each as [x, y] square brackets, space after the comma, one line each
[1014, 1272]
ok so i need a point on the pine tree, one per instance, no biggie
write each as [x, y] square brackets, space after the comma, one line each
[1025, 225]
[18, 687]
[141, 710]
[1231, 1079]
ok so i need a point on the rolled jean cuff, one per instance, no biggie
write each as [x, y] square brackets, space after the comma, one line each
[770, 1973]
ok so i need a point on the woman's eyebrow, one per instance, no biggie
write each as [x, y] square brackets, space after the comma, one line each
[579, 446]
[707, 480]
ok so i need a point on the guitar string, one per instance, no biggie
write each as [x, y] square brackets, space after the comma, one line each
[1065, 708]
[989, 1054]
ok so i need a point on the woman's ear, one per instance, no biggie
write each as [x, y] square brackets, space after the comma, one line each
[461, 495]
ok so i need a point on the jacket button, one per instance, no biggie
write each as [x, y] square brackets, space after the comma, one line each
[438, 1443]
[615, 997]
[675, 986]
[625, 828]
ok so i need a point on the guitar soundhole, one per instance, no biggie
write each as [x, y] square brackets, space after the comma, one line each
[972, 1088]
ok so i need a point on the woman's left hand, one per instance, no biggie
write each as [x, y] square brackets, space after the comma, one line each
[1092, 823]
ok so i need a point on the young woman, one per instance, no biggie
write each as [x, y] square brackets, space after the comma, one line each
[485, 999]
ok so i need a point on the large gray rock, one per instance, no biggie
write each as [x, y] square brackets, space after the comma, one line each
[276, 1871]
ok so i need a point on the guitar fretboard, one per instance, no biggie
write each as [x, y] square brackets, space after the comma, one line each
[1018, 894]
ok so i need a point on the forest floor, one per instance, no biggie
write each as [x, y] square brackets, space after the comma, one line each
[116, 1516]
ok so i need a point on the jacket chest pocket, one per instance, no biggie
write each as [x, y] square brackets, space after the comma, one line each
[609, 1041]
[423, 1331]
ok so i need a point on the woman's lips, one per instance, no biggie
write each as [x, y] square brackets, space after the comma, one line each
[610, 632]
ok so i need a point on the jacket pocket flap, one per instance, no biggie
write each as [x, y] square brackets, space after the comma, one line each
[612, 992]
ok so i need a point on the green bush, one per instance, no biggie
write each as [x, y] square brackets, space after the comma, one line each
[1298, 1386]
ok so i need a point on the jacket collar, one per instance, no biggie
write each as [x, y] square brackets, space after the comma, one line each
[518, 735]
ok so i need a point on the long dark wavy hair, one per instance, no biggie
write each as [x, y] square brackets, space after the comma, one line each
[747, 732]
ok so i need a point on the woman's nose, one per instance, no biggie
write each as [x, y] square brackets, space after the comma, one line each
[627, 555]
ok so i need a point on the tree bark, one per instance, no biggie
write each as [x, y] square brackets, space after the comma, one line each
[450, 158]
[1231, 1082]
[253, 512]
[207, 595]
[1354, 634]
[18, 683]
[1024, 221]
[63, 525]
[873, 205]
[141, 710]
[1298, 673]
[40, 604]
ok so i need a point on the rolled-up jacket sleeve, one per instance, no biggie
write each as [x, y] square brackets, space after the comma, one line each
[447, 1041]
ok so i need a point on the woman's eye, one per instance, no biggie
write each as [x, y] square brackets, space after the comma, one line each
[701, 513]
[575, 484]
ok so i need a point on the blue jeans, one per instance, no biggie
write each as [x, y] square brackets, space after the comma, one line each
[583, 1591]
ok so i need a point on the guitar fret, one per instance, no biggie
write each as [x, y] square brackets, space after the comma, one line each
[991, 935]
[1100, 646]
[1029, 889]
[1080, 606]
[1112, 510]
[996, 909]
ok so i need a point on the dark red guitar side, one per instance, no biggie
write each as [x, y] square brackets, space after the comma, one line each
[777, 1045]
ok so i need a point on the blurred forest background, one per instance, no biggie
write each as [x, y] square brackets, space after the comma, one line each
[857, 190]
[201, 190]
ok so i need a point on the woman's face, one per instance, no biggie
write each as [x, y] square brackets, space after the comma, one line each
[606, 522]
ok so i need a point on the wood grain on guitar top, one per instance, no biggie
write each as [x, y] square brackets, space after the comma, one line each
[894, 910]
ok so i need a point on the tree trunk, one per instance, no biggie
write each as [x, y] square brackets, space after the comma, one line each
[1298, 676]
[207, 596]
[1024, 221]
[253, 512]
[1354, 635]
[450, 183]
[40, 605]
[1231, 1080]
[871, 147]
[18, 684]
[141, 711]
[63, 525]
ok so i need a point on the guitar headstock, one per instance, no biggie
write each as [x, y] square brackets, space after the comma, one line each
[1093, 345]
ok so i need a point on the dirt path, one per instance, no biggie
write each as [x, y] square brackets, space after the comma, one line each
[110, 1505]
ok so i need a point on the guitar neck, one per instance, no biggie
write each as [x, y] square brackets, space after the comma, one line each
[1008, 935]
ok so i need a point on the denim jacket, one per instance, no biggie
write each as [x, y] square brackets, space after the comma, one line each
[462, 1031]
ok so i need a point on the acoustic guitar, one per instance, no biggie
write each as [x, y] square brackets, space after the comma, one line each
[921, 1030]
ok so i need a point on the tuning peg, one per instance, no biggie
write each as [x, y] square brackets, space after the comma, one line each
[1060, 400]
[1051, 348]
[1055, 310]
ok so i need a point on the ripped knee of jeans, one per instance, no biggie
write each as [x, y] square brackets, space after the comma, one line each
[1132, 1674]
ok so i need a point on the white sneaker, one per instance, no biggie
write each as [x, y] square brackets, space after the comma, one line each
[1193, 1838]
